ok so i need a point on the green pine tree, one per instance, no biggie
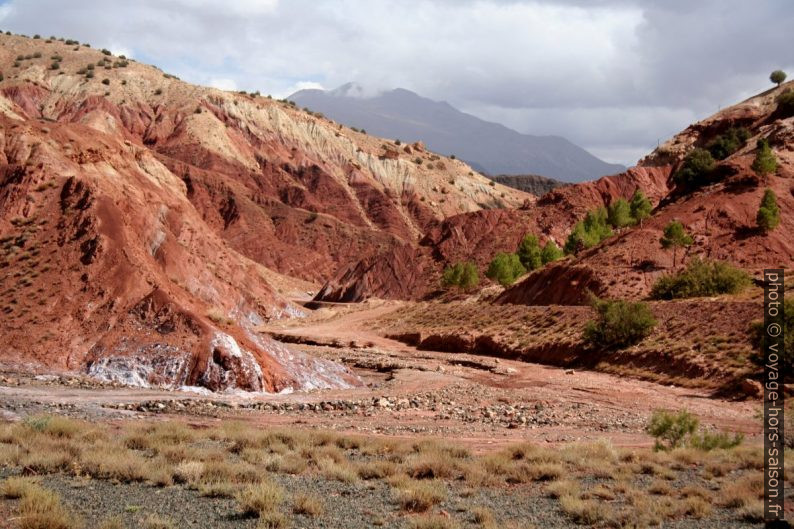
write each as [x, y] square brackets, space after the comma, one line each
[768, 216]
[765, 161]
[529, 252]
[640, 207]
[551, 252]
[675, 236]
[619, 214]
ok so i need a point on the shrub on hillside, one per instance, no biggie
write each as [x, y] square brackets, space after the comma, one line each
[696, 170]
[673, 430]
[765, 161]
[505, 268]
[589, 232]
[785, 103]
[768, 216]
[462, 275]
[619, 214]
[529, 252]
[550, 252]
[787, 355]
[728, 142]
[640, 207]
[701, 278]
[618, 323]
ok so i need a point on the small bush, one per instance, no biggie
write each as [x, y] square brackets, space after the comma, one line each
[701, 278]
[618, 323]
[759, 337]
[640, 206]
[158, 92]
[261, 498]
[529, 252]
[420, 496]
[785, 103]
[670, 430]
[619, 214]
[105, 52]
[505, 268]
[708, 441]
[765, 161]
[728, 142]
[696, 170]
[768, 216]
[463, 275]
[589, 232]
[105, 81]
[307, 505]
[551, 252]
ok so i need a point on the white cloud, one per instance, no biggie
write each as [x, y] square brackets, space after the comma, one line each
[223, 84]
[611, 75]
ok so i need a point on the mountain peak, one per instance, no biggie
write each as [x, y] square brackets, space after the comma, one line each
[490, 147]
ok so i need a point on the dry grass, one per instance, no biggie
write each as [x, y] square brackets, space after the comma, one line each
[155, 521]
[308, 505]
[42, 509]
[233, 460]
[259, 499]
[420, 496]
[433, 522]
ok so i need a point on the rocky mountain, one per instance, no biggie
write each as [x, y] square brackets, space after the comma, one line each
[148, 226]
[530, 183]
[491, 147]
[720, 217]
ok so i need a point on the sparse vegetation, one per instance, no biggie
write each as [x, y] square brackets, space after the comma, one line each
[505, 268]
[529, 252]
[588, 232]
[765, 161]
[618, 323]
[728, 143]
[701, 278]
[640, 206]
[785, 103]
[673, 430]
[675, 236]
[696, 170]
[463, 275]
[619, 214]
[768, 216]
[551, 252]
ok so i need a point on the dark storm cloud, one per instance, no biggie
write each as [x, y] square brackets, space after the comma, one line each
[611, 75]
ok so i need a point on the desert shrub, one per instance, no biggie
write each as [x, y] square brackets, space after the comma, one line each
[105, 52]
[768, 216]
[463, 275]
[708, 441]
[674, 430]
[728, 142]
[670, 430]
[420, 496]
[759, 340]
[551, 252]
[765, 161]
[307, 505]
[785, 103]
[701, 278]
[640, 206]
[36, 55]
[256, 500]
[106, 81]
[589, 232]
[696, 170]
[529, 252]
[158, 91]
[505, 268]
[619, 214]
[618, 323]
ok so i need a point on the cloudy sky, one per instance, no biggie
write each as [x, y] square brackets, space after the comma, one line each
[613, 76]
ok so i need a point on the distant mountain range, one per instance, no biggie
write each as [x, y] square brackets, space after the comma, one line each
[489, 147]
